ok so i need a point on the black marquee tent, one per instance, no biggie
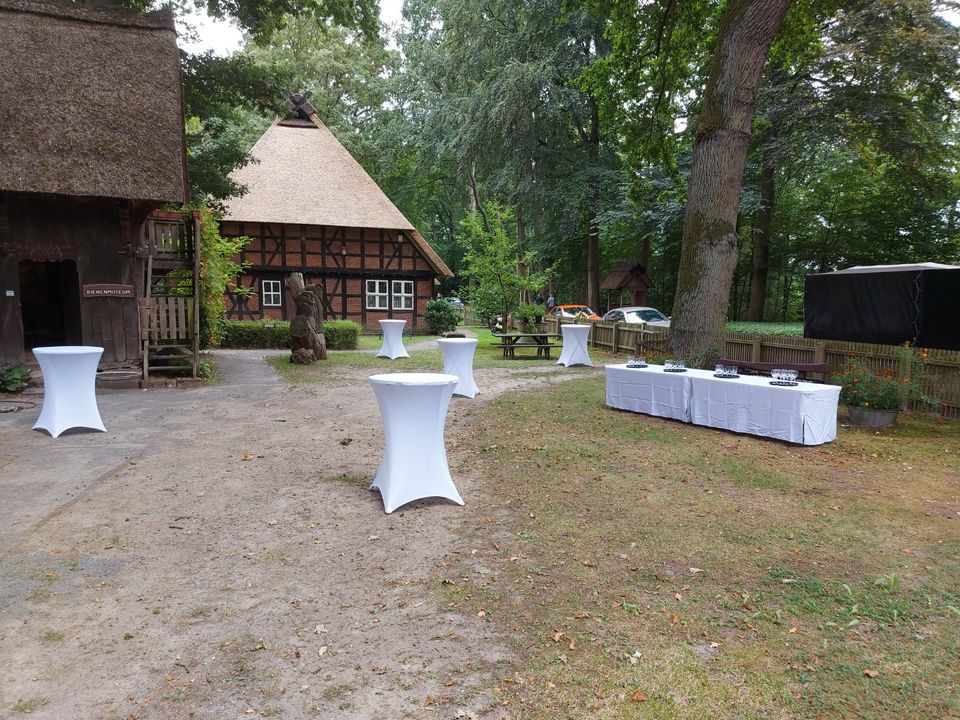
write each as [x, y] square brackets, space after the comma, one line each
[885, 304]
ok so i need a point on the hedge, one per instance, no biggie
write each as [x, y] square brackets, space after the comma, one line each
[268, 334]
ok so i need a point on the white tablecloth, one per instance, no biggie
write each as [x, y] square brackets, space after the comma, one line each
[649, 390]
[574, 345]
[392, 339]
[69, 388]
[414, 408]
[805, 413]
[457, 356]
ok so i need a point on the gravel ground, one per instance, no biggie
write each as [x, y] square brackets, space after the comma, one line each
[217, 554]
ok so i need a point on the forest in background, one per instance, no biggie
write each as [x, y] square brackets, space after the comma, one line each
[572, 122]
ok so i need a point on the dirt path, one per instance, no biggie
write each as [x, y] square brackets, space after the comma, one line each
[217, 554]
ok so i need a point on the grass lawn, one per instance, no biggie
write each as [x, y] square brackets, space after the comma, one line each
[643, 568]
[794, 329]
[488, 355]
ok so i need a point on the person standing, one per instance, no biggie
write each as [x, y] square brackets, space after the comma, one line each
[551, 301]
[538, 298]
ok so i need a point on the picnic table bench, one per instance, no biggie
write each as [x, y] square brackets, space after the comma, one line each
[511, 342]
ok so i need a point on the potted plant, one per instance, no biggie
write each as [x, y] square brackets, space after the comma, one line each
[528, 316]
[874, 397]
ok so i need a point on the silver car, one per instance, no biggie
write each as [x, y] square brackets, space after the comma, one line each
[648, 315]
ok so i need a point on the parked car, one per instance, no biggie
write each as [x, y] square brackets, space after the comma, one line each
[455, 301]
[571, 311]
[648, 315]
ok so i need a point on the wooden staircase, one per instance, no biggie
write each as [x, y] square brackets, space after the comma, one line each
[170, 307]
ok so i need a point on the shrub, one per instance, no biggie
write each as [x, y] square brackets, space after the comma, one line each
[441, 316]
[13, 378]
[255, 334]
[268, 334]
[341, 334]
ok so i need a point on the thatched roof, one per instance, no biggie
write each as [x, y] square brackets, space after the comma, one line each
[301, 174]
[626, 275]
[90, 102]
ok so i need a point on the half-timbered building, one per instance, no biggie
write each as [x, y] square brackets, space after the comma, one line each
[91, 142]
[310, 207]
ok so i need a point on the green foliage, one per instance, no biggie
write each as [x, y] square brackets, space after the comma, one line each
[528, 313]
[441, 316]
[13, 378]
[884, 389]
[270, 334]
[341, 334]
[767, 328]
[494, 258]
[217, 271]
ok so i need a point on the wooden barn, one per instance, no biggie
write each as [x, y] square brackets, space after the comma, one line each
[311, 208]
[91, 142]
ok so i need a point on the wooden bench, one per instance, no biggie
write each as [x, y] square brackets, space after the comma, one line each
[764, 368]
[543, 349]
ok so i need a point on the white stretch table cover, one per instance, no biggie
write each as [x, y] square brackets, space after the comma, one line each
[805, 413]
[458, 360]
[574, 345]
[69, 388]
[392, 339]
[413, 407]
[649, 390]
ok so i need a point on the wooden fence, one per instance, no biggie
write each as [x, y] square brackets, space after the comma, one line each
[941, 369]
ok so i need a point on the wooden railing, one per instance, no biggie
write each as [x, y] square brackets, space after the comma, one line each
[941, 368]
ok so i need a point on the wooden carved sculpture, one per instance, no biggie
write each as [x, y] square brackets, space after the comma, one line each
[307, 343]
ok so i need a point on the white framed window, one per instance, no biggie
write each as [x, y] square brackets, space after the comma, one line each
[377, 296]
[271, 293]
[403, 294]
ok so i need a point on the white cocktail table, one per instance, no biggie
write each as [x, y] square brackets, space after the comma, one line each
[392, 339]
[69, 388]
[457, 356]
[574, 345]
[414, 408]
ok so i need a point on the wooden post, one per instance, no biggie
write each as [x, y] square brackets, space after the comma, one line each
[615, 347]
[755, 350]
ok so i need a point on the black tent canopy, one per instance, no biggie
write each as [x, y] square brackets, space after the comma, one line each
[886, 304]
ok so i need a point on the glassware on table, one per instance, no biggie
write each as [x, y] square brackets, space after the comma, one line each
[641, 360]
[720, 369]
[680, 365]
[669, 365]
[792, 375]
[733, 370]
[631, 360]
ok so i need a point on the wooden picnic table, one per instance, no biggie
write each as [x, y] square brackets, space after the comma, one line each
[510, 342]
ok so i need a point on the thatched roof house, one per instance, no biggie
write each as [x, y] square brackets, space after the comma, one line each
[90, 102]
[91, 141]
[310, 207]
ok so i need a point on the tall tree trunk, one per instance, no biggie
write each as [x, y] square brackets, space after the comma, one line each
[593, 226]
[709, 253]
[523, 269]
[761, 242]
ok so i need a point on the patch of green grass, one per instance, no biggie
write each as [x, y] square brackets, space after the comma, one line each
[716, 575]
[750, 473]
[794, 329]
[52, 636]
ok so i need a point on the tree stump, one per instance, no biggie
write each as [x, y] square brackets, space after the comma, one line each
[307, 343]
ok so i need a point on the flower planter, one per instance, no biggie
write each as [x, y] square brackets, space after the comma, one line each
[871, 417]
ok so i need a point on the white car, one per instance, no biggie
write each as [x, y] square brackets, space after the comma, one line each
[648, 315]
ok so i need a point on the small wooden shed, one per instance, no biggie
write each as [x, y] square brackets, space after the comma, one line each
[627, 278]
[91, 142]
[311, 208]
